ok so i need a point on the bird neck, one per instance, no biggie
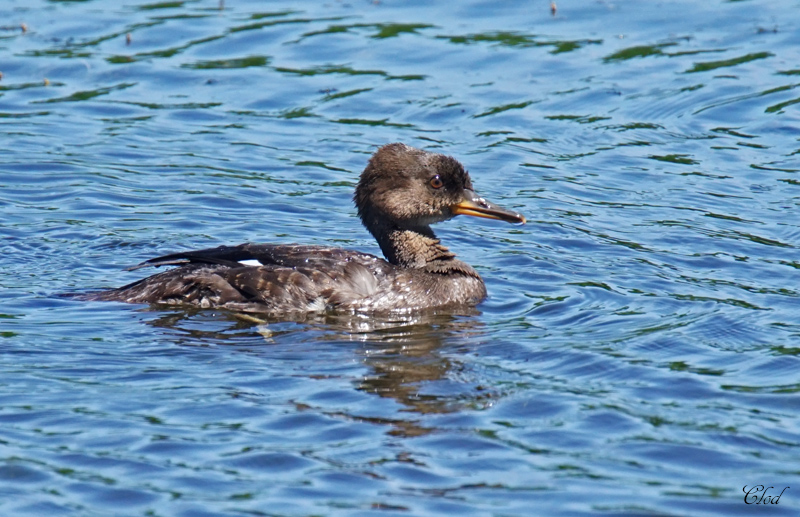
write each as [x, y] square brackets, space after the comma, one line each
[412, 248]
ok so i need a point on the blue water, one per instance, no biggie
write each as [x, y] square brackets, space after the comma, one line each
[638, 354]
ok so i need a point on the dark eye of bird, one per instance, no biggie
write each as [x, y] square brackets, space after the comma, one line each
[436, 182]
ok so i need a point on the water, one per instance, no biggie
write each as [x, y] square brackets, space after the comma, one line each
[639, 351]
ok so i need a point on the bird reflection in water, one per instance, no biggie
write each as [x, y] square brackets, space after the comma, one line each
[409, 356]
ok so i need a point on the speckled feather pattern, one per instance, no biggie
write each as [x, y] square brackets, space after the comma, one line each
[298, 278]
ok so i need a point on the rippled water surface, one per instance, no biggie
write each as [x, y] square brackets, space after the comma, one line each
[638, 354]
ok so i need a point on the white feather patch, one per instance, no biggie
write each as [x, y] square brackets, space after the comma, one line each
[250, 262]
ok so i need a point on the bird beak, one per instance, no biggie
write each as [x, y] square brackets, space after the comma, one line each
[476, 206]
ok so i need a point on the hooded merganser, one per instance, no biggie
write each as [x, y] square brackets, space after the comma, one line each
[401, 192]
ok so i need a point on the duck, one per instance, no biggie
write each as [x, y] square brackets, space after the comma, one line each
[400, 194]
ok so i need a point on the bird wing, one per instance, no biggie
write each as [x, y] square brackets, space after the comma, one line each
[276, 276]
[256, 255]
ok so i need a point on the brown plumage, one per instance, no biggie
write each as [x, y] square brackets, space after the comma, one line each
[401, 192]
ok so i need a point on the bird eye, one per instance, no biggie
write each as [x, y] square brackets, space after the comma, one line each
[436, 182]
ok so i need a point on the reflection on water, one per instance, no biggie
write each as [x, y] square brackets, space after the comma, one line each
[401, 352]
